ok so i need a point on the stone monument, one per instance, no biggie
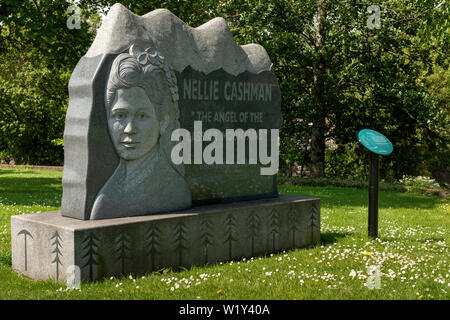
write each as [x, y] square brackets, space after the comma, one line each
[171, 154]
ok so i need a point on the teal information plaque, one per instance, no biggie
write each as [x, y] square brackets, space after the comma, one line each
[375, 142]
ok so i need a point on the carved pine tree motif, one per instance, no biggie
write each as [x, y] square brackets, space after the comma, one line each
[57, 245]
[122, 250]
[152, 243]
[274, 227]
[314, 219]
[293, 224]
[180, 240]
[230, 225]
[206, 236]
[252, 226]
[90, 249]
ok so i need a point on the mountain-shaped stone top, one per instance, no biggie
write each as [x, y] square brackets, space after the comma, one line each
[206, 48]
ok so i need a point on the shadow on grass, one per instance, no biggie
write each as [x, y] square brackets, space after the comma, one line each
[337, 197]
[29, 190]
[5, 258]
[6, 171]
[18, 171]
[12, 184]
[327, 238]
[412, 239]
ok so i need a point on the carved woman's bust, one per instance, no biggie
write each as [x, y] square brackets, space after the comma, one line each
[142, 111]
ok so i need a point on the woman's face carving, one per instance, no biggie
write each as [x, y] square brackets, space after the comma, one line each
[132, 123]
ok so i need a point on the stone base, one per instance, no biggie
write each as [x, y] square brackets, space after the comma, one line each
[48, 245]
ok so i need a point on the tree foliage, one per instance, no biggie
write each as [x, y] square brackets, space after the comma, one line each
[337, 75]
[37, 54]
[372, 78]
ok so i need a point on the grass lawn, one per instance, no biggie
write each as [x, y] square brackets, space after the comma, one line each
[411, 254]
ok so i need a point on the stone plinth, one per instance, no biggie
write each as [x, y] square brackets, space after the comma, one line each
[48, 245]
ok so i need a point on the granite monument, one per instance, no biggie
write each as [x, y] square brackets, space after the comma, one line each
[170, 157]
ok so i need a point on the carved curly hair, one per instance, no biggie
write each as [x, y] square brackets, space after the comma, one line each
[148, 70]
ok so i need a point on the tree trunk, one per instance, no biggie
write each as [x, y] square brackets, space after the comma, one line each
[319, 113]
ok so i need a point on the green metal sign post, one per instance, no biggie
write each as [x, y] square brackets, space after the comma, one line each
[377, 144]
